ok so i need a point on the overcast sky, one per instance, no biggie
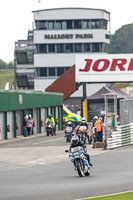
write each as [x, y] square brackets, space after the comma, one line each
[16, 17]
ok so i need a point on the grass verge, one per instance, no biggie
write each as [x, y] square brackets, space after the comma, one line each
[126, 196]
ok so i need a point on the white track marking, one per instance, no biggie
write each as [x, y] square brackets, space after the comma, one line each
[106, 195]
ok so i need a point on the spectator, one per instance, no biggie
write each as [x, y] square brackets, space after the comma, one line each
[98, 126]
[29, 125]
[25, 121]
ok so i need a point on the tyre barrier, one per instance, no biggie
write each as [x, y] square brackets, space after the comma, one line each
[121, 137]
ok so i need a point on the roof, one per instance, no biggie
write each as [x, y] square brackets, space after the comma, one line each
[105, 90]
[70, 8]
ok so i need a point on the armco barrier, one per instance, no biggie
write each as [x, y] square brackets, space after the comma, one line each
[122, 137]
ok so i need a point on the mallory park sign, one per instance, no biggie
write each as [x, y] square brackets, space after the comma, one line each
[104, 68]
[68, 36]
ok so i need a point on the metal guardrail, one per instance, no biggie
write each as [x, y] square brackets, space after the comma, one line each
[122, 137]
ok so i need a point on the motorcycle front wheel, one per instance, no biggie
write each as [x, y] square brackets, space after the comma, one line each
[87, 173]
[79, 169]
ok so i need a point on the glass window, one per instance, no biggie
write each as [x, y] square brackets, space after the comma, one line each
[68, 48]
[58, 25]
[89, 24]
[60, 48]
[78, 48]
[41, 48]
[60, 70]
[41, 24]
[77, 24]
[104, 23]
[96, 47]
[43, 72]
[84, 24]
[64, 25]
[51, 71]
[69, 24]
[93, 24]
[51, 48]
[98, 23]
[86, 47]
[50, 25]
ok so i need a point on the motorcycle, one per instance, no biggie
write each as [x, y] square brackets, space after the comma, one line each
[68, 133]
[80, 161]
[49, 128]
[83, 133]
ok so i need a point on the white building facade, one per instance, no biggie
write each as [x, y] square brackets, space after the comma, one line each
[62, 33]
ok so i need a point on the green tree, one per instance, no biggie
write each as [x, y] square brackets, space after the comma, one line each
[10, 65]
[122, 40]
[3, 65]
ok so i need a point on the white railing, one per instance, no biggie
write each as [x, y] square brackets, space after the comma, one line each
[122, 137]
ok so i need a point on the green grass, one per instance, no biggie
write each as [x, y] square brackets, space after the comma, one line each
[126, 196]
[6, 75]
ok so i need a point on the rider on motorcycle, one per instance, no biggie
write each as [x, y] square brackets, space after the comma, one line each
[84, 123]
[70, 124]
[76, 143]
[52, 121]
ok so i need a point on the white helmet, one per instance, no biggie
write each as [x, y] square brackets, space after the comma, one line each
[83, 120]
[69, 123]
[75, 139]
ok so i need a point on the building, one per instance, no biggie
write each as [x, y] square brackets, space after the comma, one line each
[58, 35]
[24, 62]
[15, 104]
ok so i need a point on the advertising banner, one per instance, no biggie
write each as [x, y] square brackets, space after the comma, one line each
[105, 68]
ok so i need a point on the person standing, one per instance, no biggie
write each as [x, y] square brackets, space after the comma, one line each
[29, 125]
[98, 127]
[25, 121]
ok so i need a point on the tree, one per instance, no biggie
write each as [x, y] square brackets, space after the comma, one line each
[10, 65]
[3, 65]
[122, 40]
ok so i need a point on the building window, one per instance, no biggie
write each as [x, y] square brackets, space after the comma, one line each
[41, 48]
[51, 71]
[64, 25]
[86, 24]
[93, 24]
[43, 72]
[60, 48]
[68, 48]
[77, 24]
[51, 48]
[96, 47]
[78, 48]
[58, 25]
[60, 70]
[87, 47]
[41, 24]
[104, 23]
[50, 25]
[69, 24]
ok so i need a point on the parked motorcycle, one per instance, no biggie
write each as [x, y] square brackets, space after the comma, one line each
[80, 161]
[49, 128]
[68, 133]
